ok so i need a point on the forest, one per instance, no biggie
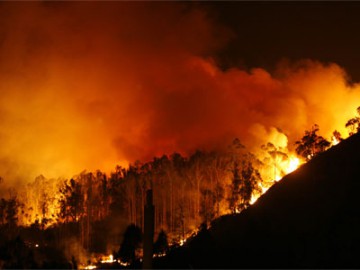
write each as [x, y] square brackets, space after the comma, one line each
[71, 223]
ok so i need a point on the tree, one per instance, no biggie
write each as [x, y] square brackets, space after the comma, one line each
[72, 201]
[235, 188]
[236, 153]
[277, 155]
[3, 204]
[207, 205]
[217, 173]
[161, 245]
[117, 193]
[311, 144]
[353, 124]
[132, 240]
[336, 137]
[250, 179]
[11, 212]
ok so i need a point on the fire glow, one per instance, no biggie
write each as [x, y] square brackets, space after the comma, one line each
[289, 166]
[120, 101]
[104, 96]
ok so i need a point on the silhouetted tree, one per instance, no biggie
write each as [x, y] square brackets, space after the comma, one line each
[117, 193]
[311, 144]
[207, 205]
[161, 244]
[72, 201]
[236, 154]
[337, 136]
[353, 124]
[11, 212]
[250, 179]
[3, 203]
[245, 179]
[132, 240]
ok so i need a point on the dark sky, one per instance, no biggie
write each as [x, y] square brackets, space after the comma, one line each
[266, 32]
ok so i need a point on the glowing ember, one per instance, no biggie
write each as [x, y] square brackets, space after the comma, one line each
[182, 242]
[123, 263]
[107, 259]
[158, 255]
[91, 266]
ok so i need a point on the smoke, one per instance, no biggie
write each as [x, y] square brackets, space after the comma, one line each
[88, 85]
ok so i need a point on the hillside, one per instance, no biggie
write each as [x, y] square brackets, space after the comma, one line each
[310, 219]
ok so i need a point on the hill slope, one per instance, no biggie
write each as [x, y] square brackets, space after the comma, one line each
[310, 219]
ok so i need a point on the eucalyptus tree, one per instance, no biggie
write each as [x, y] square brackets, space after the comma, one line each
[311, 144]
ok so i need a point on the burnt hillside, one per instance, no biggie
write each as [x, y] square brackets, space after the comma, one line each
[310, 219]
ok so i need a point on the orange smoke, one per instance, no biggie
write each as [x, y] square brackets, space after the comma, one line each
[88, 85]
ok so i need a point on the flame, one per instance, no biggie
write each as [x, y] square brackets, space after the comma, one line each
[182, 242]
[123, 263]
[90, 266]
[294, 163]
[334, 140]
[254, 198]
[264, 189]
[288, 166]
[107, 259]
[40, 201]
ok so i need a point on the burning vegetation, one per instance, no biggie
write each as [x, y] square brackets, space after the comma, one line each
[87, 214]
[101, 84]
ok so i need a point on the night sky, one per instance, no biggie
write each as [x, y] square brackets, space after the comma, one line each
[266, 32]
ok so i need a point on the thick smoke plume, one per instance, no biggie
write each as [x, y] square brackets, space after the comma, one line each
[88, 85]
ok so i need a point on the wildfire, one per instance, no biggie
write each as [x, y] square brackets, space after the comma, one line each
[288, 166]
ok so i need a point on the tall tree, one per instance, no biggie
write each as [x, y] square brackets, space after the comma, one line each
[246, 179]
[11, 212]
[72, 201]
[311, 144]
[236, 153]
[3, 204]
[207, 206]
[250, 180]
